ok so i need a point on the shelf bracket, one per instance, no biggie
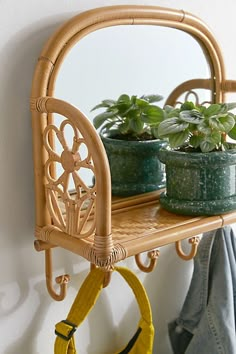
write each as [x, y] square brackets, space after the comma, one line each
[194, 241]
[153, 256]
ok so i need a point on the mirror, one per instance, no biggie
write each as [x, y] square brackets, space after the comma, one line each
[138, 59]
[128, 59]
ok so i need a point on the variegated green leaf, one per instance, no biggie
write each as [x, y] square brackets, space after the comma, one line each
[171, 126]
[207, 146]
[178, 139]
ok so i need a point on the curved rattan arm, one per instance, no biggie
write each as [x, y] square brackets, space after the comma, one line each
[102, 241]
[153, 256]
[62, 280]
[194, 241]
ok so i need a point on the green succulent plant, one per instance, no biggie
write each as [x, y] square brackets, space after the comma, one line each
[130, 117]
[199, 127]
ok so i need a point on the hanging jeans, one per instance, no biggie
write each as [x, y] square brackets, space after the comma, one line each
[206, 324]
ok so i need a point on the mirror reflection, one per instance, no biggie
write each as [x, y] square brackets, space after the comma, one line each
[137, 60]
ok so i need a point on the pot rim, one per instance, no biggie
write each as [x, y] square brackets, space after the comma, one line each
[109, 138]
[181, 158]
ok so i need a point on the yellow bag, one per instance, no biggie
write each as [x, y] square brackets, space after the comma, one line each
[140, 343]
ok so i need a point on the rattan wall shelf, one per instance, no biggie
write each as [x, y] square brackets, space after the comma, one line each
[88, 222]
[138, 225]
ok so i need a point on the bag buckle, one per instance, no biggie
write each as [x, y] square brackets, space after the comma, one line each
[71, 332]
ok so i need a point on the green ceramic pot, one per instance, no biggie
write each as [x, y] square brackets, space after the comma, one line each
[135, 167]
[199, 183]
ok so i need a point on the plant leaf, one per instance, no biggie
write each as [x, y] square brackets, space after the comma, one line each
[227, 122]
[225, 107]
[108, 125]
[215, 137]
[104, 104]
[223, 123]
[141, 102]
[102, 117]
[204, 128]
[178, 139]
[136, 125]
[232, 133]
[152, 98]
[207, 145]
[124, 127]
[195, 141]
[124, 110]
[193, 116]
[174, 113]
[167, 108]
[152, 115]
[212, 110]
[124, 99]
[187, 106]
[154, 132]
[171, 126]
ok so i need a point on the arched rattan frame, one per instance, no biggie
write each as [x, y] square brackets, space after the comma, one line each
[81, 25]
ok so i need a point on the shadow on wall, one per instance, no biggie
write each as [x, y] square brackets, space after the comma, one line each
[22, 265]
[18, 61]
[32, 329]
[26, 308]
[100, 315]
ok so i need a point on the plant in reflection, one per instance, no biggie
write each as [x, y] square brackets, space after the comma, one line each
[129, 132]
[130, 117]
[194, 127]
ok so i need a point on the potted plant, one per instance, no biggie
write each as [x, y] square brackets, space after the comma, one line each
[200, 161]
[129, 131]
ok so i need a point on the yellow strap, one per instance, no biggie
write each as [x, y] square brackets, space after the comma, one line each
[139, 292]
[86, 299]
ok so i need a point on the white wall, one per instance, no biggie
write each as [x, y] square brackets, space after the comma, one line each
[27, 313]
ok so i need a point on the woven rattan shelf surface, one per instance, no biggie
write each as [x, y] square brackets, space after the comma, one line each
[140, 224]
[145, 225]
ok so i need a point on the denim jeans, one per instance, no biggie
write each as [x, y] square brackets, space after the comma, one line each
[206, 324]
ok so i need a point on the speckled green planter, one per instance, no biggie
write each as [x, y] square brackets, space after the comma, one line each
[199, 183]
[135, 166]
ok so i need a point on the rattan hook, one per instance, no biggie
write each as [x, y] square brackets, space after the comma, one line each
[153, 255]
[62, 280]
[194, 241]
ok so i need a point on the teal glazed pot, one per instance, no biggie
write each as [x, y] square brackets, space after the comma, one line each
[135, 166]
[199, 183]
